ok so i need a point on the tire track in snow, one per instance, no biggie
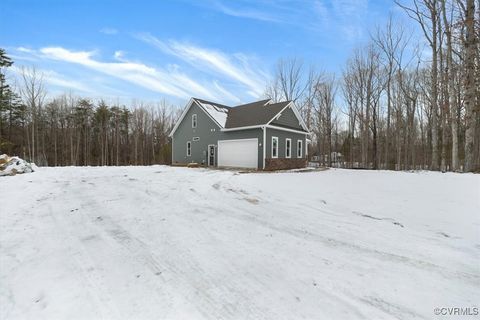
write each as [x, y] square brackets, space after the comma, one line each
[103, 298]
[246, 215]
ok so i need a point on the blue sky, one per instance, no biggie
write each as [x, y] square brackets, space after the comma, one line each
[149, 50]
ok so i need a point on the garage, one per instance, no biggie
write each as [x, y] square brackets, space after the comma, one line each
[241, 153]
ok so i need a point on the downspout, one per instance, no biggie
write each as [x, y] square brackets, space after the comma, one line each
[264, 144]
[172, 152]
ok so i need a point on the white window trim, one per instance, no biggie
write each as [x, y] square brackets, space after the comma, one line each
[276, 156]
[194, 116]
[189, 148]
[299, 149]
[289, 153]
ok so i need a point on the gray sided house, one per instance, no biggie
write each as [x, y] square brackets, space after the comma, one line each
[258, 135]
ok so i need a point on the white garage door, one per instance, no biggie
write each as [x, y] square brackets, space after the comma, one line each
[242, 153]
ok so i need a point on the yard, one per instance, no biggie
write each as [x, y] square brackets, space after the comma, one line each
[175, 243]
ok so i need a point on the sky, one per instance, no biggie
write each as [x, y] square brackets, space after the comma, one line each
[219, 50]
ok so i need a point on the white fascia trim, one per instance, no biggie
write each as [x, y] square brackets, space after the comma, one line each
[299, 117]
[279, 113]
[296, 112]
[184, 113]
[242, 128]
[286, 129]
[264, 145]
[208, 114]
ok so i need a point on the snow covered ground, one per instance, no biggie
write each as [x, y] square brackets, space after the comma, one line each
[176, 243]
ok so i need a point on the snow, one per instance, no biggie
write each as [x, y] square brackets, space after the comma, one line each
[14, 165]
[217, 113]
[177, 243]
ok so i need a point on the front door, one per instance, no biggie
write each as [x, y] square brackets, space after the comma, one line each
[211, 155]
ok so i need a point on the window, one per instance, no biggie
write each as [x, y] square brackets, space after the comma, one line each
[189, 148]
[194, 120]
[288, 148]
[299, 148]
[274, 147]
[196, 139]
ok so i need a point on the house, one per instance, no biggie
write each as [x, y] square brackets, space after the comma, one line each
[258, 135]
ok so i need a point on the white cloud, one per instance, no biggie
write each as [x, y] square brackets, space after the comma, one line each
[109, 31]
[321, 9]
[25, 50]
[235, 67]
[246, 13]
[227, 95]
[137, 73]
[346, 16]
[171, 82]
[53, 78]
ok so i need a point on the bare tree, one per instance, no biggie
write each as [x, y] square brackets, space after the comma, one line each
[33, 94]
[426, 13]
[324, 108]
[471, 90]
[391, 41]
[289, 79]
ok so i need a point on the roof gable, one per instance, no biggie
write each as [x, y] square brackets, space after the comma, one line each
[254, 114]
[217, 112]
[257, 113]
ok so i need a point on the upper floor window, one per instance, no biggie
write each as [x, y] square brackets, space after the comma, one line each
[194, 120]
[274, 147]
[288, 148]
[299, 148]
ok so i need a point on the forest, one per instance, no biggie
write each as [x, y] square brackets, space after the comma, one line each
[399, 103]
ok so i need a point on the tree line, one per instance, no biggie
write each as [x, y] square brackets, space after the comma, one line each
[69, 131]
[394, 106]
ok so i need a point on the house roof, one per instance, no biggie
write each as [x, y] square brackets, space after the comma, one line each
[217, 111]
[250, 114]
[256, 113]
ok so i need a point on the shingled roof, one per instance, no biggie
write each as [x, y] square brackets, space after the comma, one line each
[251, 114]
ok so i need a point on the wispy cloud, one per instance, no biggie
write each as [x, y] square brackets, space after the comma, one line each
[54, 79]
[169, 80]
[316, 15]
[134, 72]
[235, 67]
[109, 31]
[245, 13]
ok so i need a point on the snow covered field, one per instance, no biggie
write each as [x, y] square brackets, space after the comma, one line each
[176, 243]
